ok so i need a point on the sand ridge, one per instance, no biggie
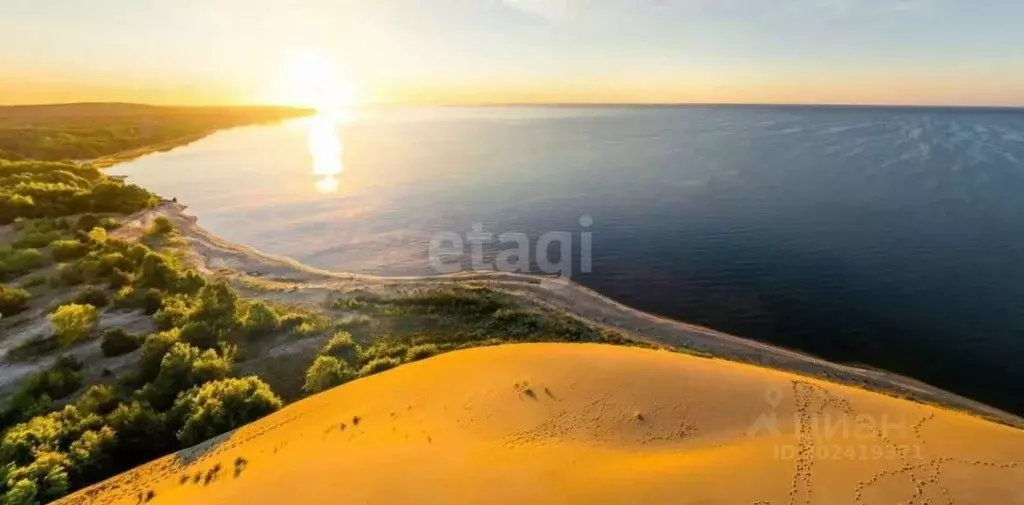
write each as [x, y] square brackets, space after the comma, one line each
[587, 423]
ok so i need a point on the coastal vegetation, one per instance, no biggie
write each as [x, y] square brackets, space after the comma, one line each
[66, 264]
[55, 211]
[112, 132]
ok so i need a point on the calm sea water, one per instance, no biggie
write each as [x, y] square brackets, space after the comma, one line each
[890, 237]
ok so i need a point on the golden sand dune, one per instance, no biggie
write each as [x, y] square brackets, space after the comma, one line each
[579, 423]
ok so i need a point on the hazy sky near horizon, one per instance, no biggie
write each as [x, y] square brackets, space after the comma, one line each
[967, 52]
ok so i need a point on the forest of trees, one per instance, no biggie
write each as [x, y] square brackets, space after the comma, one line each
[183, 389]
[89, 131]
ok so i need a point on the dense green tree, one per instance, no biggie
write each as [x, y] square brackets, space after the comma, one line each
[325, 373]
[182, 368]
[142, 433]
[260, 318]
[98, 399]
[217, 304]
[343, 347]
[154, 348]
[22, 492]
[220, 406]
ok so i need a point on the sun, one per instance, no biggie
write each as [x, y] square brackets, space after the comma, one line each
[311, 79]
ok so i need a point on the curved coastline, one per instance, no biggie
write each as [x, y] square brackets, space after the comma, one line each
[284, 278]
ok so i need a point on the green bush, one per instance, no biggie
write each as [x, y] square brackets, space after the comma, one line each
[23, 492]
[385, 347]
[184, 367]
[161, 226]
[325, 373]
[117, 342]
[221, 406]
[378, 365]
[67, 250]
[260, 318]
[142, 433]
[158, 272]
[99, 399]
[422, 351]
[174, 311]
[200, 334]
[13, 300]
[308, 325]
[73, 322]
[93, 296]
[342, 346]
[87, 222]
[36, 393]
[36, 239]
[17, 262]
[154, 348]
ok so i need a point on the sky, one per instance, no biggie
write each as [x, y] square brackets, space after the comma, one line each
[955, 52]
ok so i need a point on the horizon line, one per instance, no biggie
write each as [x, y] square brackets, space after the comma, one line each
[539, 104]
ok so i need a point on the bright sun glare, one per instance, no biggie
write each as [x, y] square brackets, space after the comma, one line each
[309, 79]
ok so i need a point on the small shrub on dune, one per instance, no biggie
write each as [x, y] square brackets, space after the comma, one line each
[17, 262]
[13, 300]
[116, 342]
[68, 250]
[73, 322]
[378, 365]
[97, 235]
[157, 271]
[118, 279]
[422, 351]
[149, 300]
[69, 274]
[260, 318]
[36, 393]
[200, 334]
[93, 296]
[385, 348]
[87, 222]
[325, 373]
[175, 311]
[312, 326]
[35, 239]
[342, 346]
[161, 226]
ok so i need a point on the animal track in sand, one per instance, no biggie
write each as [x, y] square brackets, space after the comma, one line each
[923, 476]
[602, 420]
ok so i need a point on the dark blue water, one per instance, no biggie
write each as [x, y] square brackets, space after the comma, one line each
[884, 236]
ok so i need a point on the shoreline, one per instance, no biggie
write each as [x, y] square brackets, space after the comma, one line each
[289, 280]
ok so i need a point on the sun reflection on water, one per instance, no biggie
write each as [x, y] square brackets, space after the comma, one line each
[326, 149]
